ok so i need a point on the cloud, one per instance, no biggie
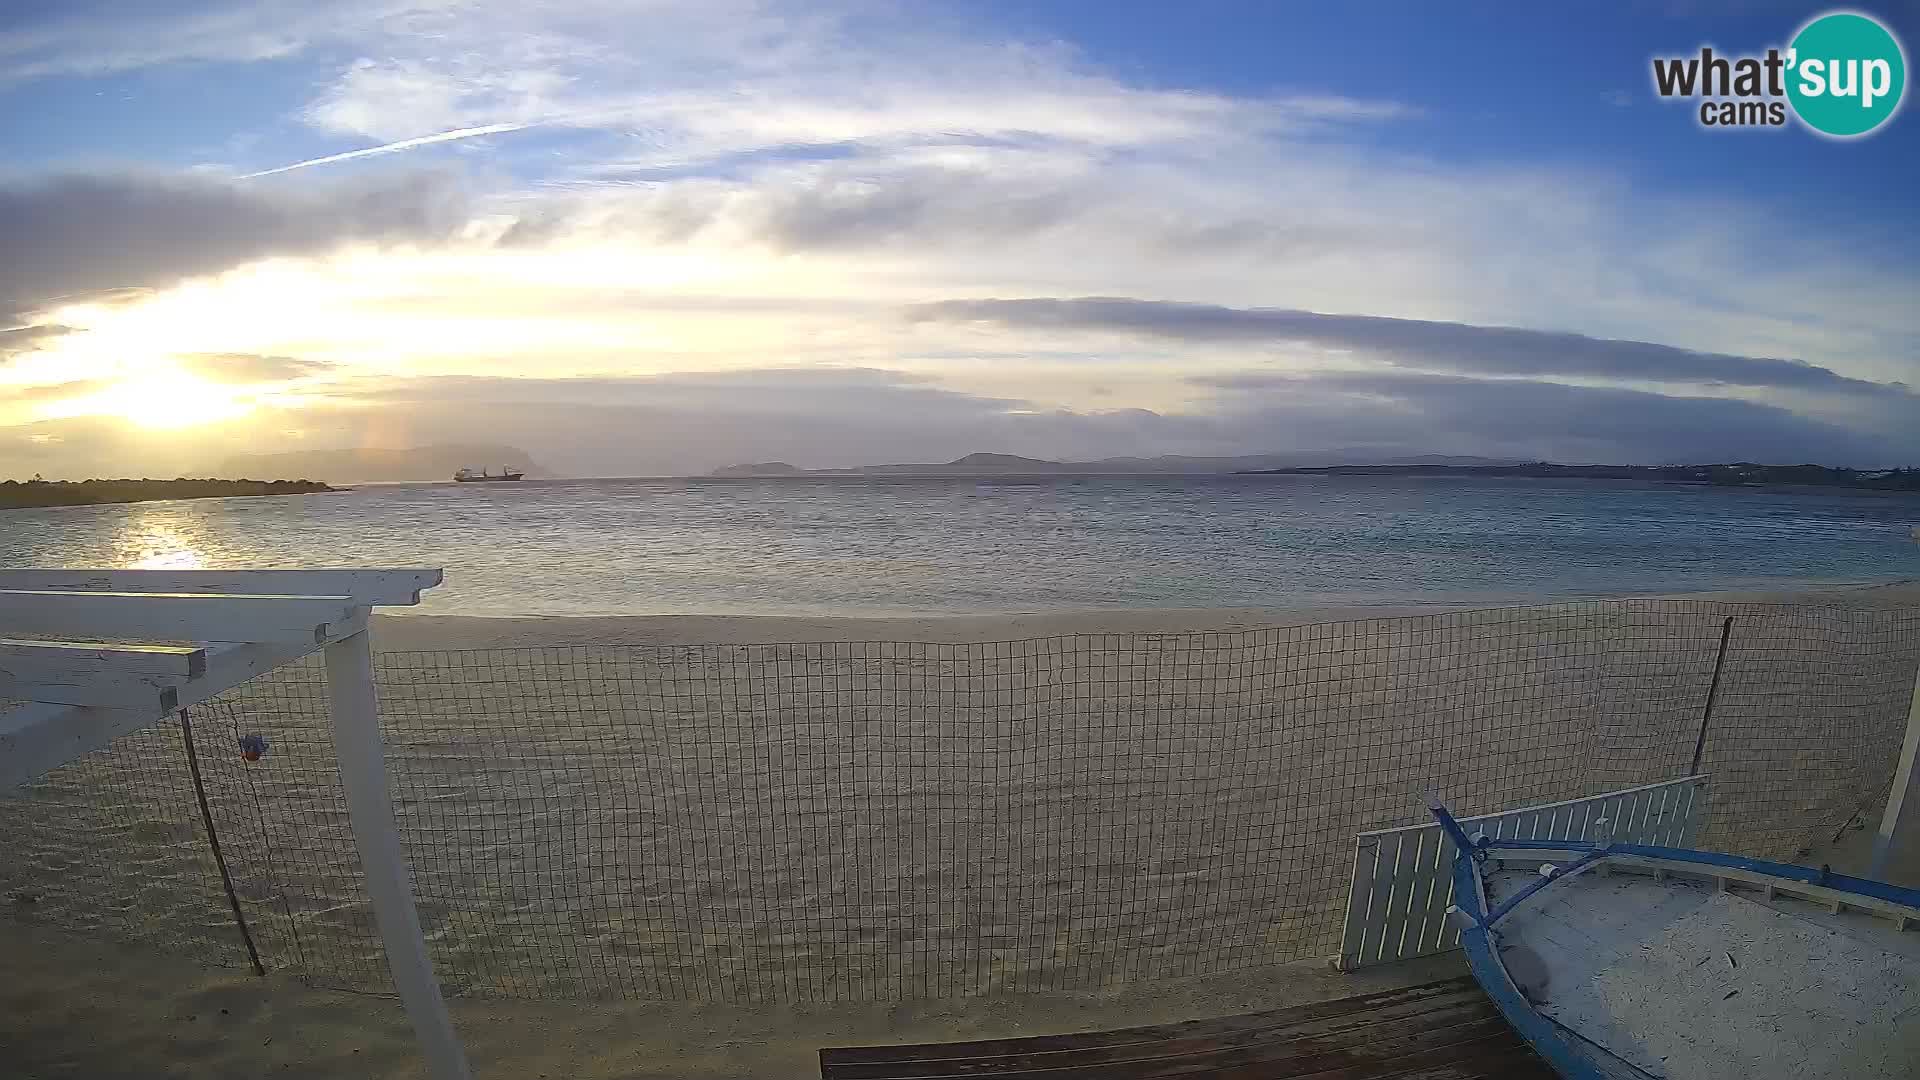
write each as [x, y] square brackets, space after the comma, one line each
[1529, 418]
[693, 422]
[76, 235]
[686, 422]
[947, 201]
[826, 417]
[1416, 343]
[29, 395]
[867, 201]
[23, 339]
[242, 368]
[99, 37]
[694, 81]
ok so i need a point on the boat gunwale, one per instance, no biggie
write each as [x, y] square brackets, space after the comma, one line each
[1702, 864]
[1479, 937]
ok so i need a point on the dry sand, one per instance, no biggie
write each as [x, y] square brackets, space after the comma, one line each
[83, 1007]
[72, 1008]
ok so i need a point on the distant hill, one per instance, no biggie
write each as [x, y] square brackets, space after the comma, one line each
[363, 465]
[979, 464]
[984, 464]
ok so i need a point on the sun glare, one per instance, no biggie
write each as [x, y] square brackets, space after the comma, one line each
[163, 400]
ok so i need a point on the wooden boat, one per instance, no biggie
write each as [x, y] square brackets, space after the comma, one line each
[1624, 961]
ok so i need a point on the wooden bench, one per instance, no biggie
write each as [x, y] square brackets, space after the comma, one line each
[1444, 1030]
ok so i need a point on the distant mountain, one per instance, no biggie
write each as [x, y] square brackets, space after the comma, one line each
[979, 465]
[360, 466]
[984, 464]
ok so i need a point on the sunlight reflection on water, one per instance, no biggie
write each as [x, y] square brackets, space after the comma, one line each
[151, 539]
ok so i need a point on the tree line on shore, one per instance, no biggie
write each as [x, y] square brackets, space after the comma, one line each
[16, 494]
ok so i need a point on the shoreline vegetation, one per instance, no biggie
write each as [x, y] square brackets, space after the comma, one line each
[19, 495]
[1732, 474]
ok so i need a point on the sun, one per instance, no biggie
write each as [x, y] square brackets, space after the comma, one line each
[165, 399]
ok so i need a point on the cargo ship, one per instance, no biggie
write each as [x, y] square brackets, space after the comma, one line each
[468, 476]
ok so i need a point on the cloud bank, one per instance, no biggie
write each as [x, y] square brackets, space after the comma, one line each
[71, 237]
[1448, 346]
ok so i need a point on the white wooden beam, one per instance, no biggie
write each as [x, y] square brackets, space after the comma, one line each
[1901, 820]
[38, 737]
[230, 663]
[156, 694]
[366, 587]
[28, 657]
[171, 616]
[363, 771]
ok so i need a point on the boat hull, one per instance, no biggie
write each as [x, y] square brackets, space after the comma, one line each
[1633, 961]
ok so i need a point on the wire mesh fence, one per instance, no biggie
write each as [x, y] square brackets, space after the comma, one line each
[901, 820]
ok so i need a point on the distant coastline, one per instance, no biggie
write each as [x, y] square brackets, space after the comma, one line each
[1730, 474]
[986, 464]
[1747, 474]
[18, 495]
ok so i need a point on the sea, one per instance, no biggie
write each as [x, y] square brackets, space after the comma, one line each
[923, 546]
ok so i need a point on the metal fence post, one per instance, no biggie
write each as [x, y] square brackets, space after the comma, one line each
[1903, 799]
[213, 841]
[1713, 695]
[363, 770]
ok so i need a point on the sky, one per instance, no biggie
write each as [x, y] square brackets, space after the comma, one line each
[638, 237]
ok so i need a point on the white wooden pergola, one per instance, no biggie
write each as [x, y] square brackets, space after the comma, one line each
[93, 654]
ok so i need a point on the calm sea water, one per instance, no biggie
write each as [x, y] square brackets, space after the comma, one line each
[907, 546]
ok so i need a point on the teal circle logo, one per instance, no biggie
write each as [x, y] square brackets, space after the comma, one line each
[1846, 74]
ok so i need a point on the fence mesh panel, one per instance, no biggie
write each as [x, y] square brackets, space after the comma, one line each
[112, 845]
[901, 820]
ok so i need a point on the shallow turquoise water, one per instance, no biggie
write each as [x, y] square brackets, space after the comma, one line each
[867, 546]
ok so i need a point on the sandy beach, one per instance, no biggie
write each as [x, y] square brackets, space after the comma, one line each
[585, 872]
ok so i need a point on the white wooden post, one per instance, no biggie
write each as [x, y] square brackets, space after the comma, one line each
[363, 769]
[1903, 800]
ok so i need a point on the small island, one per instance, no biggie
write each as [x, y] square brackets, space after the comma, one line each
[761, 468]
[17, 495]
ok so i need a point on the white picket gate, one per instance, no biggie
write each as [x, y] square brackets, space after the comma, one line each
[1403, 878]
